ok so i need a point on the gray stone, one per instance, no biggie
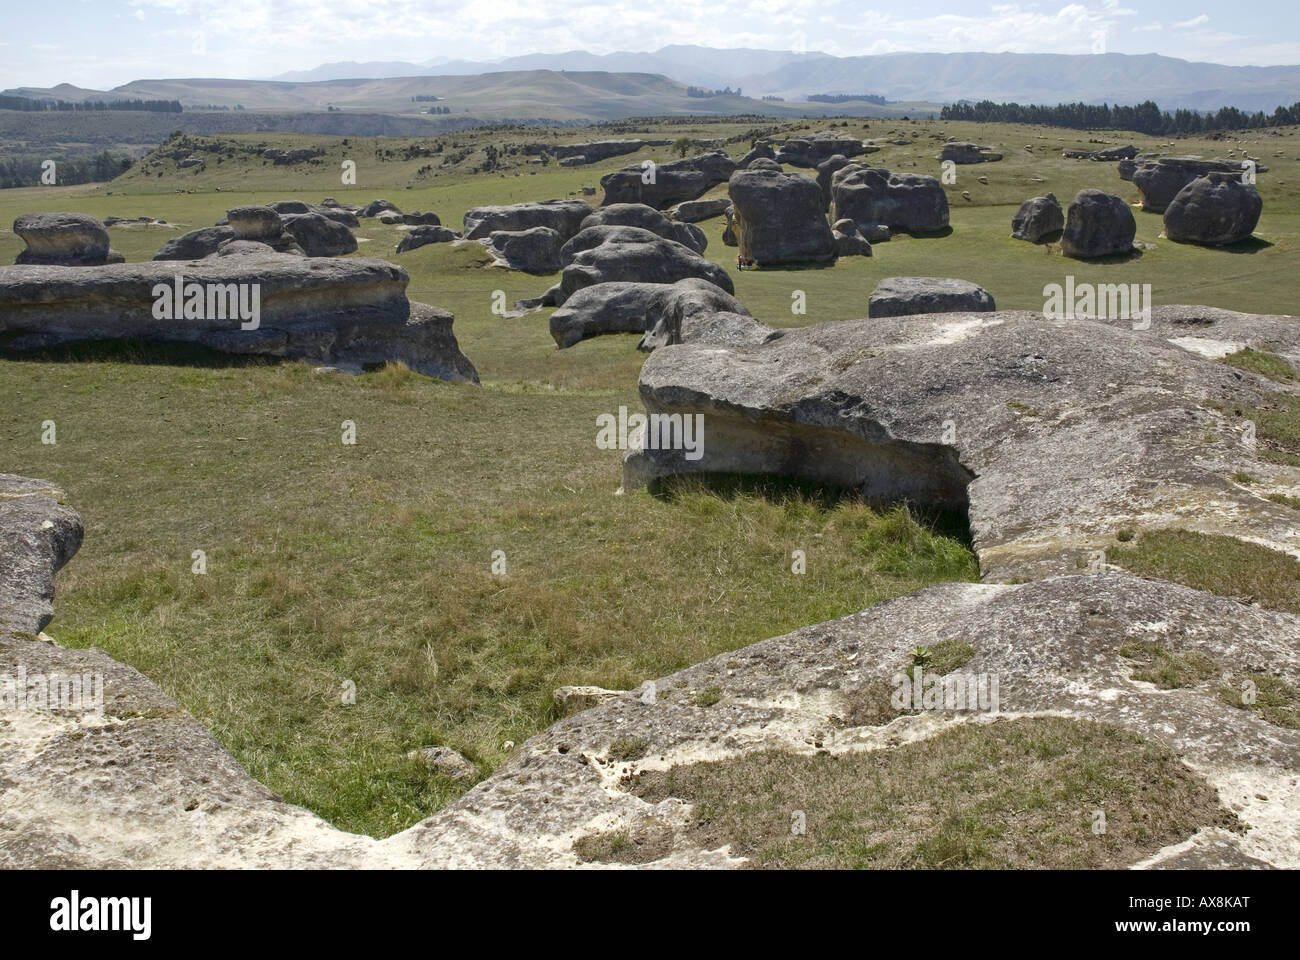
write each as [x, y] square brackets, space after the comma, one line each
[421, 236]
[1213, 210]
[1097, 224]
[825, 171]
[904, 296]
[811, 151]
[693, 211]
[910, 202]
[194, 245]
[64, 239]
[255, 223]
[39, 533]
[604, 254]
[533, 251]
[318, 236]
[1038, 220]
[758, 151]
[673, 182]
[849, 241]
[444, 761]
[345, 312]
[647, 218]
[658, 310]
[563, 216]
[375, 207]
[961, 152]
[778, 218]
[571, 700]
[1158, 181]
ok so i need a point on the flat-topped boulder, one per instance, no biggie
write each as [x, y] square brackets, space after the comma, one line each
[1098, 224]
[663, 184]
[1038, 220]
[962, 152]
[647, 218]
[999, 414]
[1213, 210]
[64, 239]
[664, 312]
[345, 312]
[563, 216]
[590, 151]
[778, 218]
[1158, 181]
[904, 296]
[870, 196]
[255, 223]
[606, 254]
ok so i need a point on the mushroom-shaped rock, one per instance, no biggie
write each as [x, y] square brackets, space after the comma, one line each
[64, 239]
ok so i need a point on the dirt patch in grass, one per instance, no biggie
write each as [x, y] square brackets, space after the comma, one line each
[1010, 794]
[1217, 564]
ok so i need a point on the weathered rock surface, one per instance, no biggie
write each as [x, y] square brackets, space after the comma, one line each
[255, 223]
[563, 216]
[665, 312]
[778, 218]
[1059, 432]
[826, 170]
[1213, 210]
[195, 245]
[729, 231]
[318, 235]
[961, 152]
[811, 151]
[758, 151]
[910, 202]
[672, 182]
[647, 218]
[849, 241]
[693, 211]
[1098, 224]
[39, 533]
[343, 312]
[1038, 220]
[532, 251]
[604, 254]
[421, 236]
[1158, 181]
[375, 207]
[592, 151]
[64, 239]
[905, 296]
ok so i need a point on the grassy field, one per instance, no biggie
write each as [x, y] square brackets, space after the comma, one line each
[372, 564]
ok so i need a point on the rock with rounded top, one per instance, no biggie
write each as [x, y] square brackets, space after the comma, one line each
[563, 216]
[1097, 224]
[667, 183]
[911, 202]
[630, 253]
[64, 239]
[647, 218]
[1038, 220]
[1213, 210]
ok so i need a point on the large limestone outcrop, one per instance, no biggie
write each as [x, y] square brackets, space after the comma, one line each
[1213, 210]
[779, 218]
[64, 239]
[39, 533]
[647, 218]
[345, 312]
[563, 216]
[811, 151]
[603, 254]
[904, 296]
[666, 313]
[661, 185]
[1038, 220]
[1159, 180]
[1097, 224]
[1052, 434]
[872, 196]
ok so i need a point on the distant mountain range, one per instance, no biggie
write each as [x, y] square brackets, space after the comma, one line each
[931, 77]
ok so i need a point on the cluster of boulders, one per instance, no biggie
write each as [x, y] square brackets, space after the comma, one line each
[1125, 153]
[815, 149]
[874, 197]
[64, 239]
[286, 227]
[1158, 181]
[663, 184]
[961, 152]
[1213, 210]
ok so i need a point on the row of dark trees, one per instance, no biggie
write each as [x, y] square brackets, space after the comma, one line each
[706, 92]
[1145, 118]
[24, 170]
[38, 106]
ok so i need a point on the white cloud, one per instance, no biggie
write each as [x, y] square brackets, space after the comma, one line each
[1194, 22]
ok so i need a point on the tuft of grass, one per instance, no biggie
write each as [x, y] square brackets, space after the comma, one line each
[1265, 695]
[627, 749]
[1243, 477]
[1217, 564]
[1286, 501]
[1277, 428]
[1265, 362]
[1006, 795]
[1168, 669]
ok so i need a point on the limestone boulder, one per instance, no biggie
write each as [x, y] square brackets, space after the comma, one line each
[910, 202]
[64, 239]
[647, 218]
[319, 236]
[1158, 181]
[811, 151]
[904, 296]
[563, 216]
[421, 236]
[961, 152]
[196, 244]
[664, 184]
[1098, 224]
[825, 171]
[1213, 210]
[693, 211]
[533, 251]
[1038, 220]
[849, 241]
[606, 254]
[778, 218]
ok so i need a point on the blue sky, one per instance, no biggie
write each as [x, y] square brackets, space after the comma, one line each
[103, 43]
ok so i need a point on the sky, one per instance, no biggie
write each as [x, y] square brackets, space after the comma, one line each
[105, 43]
